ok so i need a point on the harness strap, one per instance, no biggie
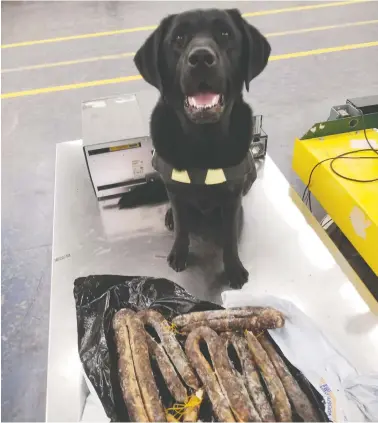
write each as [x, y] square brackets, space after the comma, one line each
[203, 176]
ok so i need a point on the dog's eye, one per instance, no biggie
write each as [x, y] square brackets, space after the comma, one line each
[180, 40]
[225, 34]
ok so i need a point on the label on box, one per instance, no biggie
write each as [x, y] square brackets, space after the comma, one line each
[138, 169]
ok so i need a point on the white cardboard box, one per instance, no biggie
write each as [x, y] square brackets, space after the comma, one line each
[116, 142]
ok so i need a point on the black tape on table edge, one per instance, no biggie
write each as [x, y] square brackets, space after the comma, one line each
[99, 297]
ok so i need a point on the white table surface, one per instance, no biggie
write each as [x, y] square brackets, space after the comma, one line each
[284, 248]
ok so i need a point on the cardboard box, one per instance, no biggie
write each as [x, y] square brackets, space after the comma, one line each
[116, 142]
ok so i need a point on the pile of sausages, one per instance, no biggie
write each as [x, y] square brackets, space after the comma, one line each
[258, 387]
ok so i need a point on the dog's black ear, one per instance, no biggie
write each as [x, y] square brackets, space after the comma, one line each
[148, 58]
[256, 48]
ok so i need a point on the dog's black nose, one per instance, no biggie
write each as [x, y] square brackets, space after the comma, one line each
[202, 56]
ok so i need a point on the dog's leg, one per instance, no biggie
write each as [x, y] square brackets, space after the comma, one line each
[169, 223]
[234, 269]
[178, 256]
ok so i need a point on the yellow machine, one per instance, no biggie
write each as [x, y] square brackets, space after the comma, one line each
[337, 160]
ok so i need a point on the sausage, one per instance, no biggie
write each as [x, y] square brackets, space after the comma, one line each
[171, 346]
[174, 384]
[142, 365]
[171, 418]
[209, 379]
[224, 387]
[238, 312]
[297, 397]
[145, 377]
[191, 413]
[267, 319]
[129, 386]
[280, 402]
[251, 377]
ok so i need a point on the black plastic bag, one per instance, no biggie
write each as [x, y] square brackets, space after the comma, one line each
[98, 298]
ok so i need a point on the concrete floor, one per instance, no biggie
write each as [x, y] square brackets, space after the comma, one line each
[291, 94]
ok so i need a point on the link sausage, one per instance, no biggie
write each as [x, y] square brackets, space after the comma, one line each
[224, 387]
[171, 346]
[142, 365]
[128, 381]
[298, 398]
[280, 402]
[237, 312]
[266, 320]
[174, 384]
[251, 377]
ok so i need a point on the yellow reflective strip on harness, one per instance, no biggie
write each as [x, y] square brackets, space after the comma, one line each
[215, 176]
[180, 176]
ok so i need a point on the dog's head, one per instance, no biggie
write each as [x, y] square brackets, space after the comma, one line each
[200, 59]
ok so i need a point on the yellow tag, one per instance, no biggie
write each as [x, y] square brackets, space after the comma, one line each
[193, 401]
[180, 176]
[173, 328]
[215, 176]
[179, 409]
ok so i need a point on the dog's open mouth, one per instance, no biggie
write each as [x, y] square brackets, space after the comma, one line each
[204, 107]
[204, 101]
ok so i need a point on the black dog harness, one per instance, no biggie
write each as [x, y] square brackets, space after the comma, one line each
[203, 176]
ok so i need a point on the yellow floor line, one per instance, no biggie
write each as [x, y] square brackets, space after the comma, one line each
[301, 8]
[151, 27]
[71, 86]
[321, 28]
[68, 62]
[124, 55]
[79, 37]
[323, 51]
[138, 77]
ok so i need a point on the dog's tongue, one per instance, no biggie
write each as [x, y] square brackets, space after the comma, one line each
[204, 99]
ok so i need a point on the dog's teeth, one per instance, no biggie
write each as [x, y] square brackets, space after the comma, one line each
[215, 100]
[192, 102]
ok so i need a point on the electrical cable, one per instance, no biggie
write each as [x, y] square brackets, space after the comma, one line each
[306, 197]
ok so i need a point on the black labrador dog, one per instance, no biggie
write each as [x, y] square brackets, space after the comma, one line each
[199, 61]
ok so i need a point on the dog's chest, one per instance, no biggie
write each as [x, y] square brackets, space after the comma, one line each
[205, 198]
[205, 189]
[206, 178]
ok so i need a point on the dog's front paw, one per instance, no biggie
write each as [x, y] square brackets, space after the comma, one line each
[169, 224]
[236, 274]
[178, 258]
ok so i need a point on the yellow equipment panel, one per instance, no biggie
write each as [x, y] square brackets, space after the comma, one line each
[352, 205]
